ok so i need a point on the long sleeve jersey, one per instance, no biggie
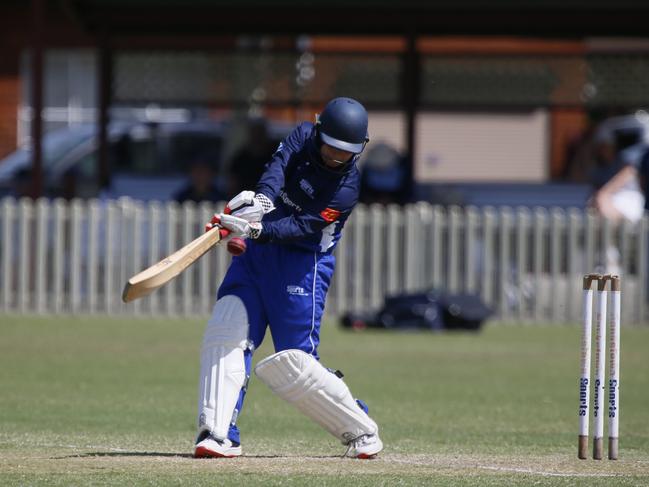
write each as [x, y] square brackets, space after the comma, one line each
[311, 203]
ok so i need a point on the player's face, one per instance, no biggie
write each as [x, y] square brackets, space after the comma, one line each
[333, 157]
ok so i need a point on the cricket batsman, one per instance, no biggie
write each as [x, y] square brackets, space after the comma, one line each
[292, 223]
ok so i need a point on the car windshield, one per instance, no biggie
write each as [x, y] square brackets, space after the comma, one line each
[146, 149]
[55, 145]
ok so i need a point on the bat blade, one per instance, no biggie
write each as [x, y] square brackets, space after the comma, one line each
[151, 278]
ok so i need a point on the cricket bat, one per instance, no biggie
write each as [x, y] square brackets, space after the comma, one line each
[157, 275]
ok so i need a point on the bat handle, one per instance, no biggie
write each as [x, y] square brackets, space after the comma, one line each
[224, 232]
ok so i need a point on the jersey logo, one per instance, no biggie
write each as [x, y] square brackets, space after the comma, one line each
[330, 215]
[307, 188]
[289, 202]
[296, 290]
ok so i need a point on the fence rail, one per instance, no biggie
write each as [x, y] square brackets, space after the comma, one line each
[74, 257]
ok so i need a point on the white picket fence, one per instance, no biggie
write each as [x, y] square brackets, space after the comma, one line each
[59, 257]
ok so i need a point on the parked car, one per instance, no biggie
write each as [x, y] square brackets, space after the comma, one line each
[148, 161]
[135, 150]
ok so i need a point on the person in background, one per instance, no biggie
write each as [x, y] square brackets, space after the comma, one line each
[620, 143]
[69, 184]
[22, 184]
[619, 147]
[580, 149]
[247, 165]
[201, 185]
[384, 177]
[644, 175]
[644, 184]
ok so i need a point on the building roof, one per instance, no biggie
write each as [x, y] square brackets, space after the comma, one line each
[565, 18]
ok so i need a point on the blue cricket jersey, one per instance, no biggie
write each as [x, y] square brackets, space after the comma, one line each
[311, 203]
[284, 287]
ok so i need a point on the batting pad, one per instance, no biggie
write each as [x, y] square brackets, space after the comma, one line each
[223, 370]
[301, 380]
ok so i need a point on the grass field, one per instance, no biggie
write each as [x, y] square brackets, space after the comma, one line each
[101, 401]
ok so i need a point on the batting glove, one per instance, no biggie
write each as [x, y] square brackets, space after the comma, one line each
[249, 206]
[239, 227]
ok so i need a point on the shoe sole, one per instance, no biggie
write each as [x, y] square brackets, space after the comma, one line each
[201, 452]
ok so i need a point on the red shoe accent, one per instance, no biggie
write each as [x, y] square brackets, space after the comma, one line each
[365, 456]
[202, 452]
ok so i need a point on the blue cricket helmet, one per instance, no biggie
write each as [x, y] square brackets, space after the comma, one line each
[343, 125]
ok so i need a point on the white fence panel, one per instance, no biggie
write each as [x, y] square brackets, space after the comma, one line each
[527, 263]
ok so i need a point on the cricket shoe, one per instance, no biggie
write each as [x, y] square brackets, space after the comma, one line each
[364, 447]
[207, 446]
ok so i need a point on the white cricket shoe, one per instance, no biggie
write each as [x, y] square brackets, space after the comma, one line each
[364, 447]
[207, 446]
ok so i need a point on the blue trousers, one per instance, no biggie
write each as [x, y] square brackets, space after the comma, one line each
[284, 289]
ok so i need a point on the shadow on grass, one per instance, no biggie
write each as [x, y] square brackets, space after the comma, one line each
[182, 455]
[125, 454]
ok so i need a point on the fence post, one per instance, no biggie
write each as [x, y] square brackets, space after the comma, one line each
[60, 225]
[40, 272]
[7, 246]
[377, 270]
[556, 285]
[394, 250]
[522, 222]
[358, 263]
[94, 264]
[436, 238]
[488, 229]
[574, 260]
[74, 260]
[470, 250]
[25, 248]
[505, 284]
[539, 234]
[453, 249]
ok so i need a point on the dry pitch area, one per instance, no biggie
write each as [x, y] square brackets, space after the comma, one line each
[88, 465]
[111, 402]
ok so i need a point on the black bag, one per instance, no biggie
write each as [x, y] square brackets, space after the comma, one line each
[433, 310]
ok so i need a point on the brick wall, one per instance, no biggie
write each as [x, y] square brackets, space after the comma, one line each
[9, 100]
[13, 35]
[60, 31]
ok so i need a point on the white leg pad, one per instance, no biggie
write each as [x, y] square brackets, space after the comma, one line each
[301, 380]
[223, 370]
